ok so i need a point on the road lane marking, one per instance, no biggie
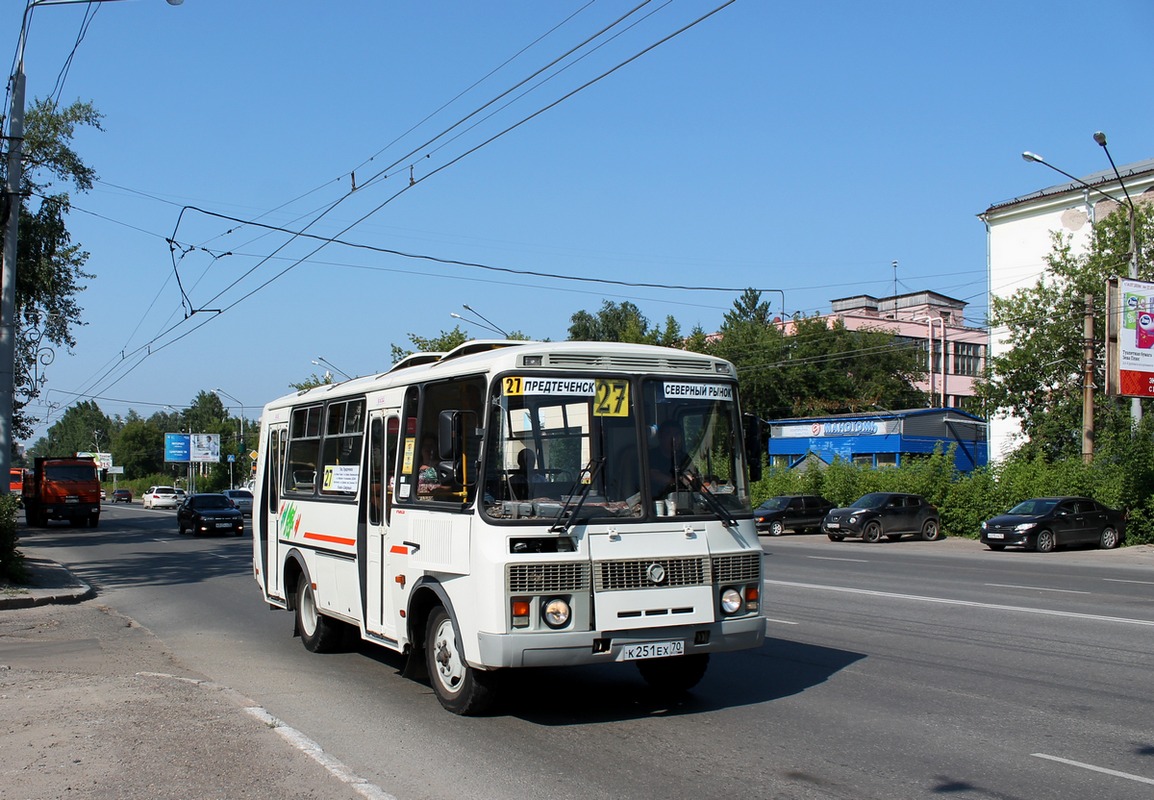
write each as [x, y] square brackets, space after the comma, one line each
[970, 603]
[1033, 588]
[304, 744]
[831, 558]
[1093, 768]
[1123, 580]
[781, 621]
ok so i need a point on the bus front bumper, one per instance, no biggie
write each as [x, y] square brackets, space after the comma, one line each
[573, 648]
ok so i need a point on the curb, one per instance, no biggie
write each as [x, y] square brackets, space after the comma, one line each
[49, 583]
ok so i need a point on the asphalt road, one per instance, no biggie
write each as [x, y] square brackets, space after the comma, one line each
[895, 670]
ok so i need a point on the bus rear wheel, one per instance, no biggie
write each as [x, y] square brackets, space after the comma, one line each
[318, 633]
[460, 688]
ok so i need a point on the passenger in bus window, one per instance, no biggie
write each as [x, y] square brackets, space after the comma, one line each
[427, 480]
[522, 480]
[669, 466]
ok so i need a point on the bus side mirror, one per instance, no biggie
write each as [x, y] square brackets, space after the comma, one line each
[458, 446]
[753, 451]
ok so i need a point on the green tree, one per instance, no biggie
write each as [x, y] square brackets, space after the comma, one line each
[1039, 377]
[622, 323]
[312, 382]
[139, 448]
[756, 347]
[442, 343]
[833, 370]
[49, 266]
[76, 432]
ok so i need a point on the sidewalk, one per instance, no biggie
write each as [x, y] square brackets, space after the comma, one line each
[49, 583]
[94, 707]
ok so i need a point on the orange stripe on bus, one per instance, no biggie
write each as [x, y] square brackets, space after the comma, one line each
[400, 549]
[324, 537]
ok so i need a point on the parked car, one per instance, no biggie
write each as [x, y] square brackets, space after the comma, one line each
[209, 513]
[160, 497]
[122, 496]
[1046, 523]
[791, 512]
[241, 498]
[889, 514]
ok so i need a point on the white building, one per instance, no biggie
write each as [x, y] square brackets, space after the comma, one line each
[1018, 239]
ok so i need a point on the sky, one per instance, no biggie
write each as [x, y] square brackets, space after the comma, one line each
[528, 158]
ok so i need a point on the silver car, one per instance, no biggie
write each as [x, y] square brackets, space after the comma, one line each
[241, 498]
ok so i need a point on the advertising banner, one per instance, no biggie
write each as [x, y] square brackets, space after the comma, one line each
[205, 447]
[176, 448]
[1130, 338]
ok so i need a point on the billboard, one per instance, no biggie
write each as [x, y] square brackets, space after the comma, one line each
[204, 447]
[176, 447]
[1129, 338]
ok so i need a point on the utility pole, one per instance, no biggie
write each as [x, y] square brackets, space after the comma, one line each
[1088, 382]
[8, 270]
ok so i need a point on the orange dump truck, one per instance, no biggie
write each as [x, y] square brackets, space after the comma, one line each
[62, 488]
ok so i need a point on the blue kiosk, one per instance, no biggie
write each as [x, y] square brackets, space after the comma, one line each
[879, 439]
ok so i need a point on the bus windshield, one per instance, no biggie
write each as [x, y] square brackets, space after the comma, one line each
[625, 448]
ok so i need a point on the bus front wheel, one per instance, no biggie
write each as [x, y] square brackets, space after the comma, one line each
[318, 633]
[460, 688]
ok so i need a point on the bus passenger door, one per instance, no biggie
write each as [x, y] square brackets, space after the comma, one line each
[270, 510]
[380, 614]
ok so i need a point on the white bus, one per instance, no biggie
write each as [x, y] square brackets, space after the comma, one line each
[515, 504]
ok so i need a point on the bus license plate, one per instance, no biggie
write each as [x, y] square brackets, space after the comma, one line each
[635, 652]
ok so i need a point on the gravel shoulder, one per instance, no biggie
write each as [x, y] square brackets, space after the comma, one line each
[92, 706]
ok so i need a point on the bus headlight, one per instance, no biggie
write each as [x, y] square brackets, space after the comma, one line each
[556, 612]
[731, 601]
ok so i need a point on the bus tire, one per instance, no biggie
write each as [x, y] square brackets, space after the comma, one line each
[318, 633]
[460, 688]
[675, 675]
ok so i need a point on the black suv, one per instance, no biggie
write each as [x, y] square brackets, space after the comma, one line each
[795, 512]
[888, 514]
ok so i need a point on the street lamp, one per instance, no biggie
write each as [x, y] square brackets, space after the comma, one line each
[222, 393]
[1100, 138]
[487, 324]
[322, 362]
[14, 178]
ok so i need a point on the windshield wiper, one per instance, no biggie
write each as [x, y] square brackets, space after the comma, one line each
[716, 507]
[562, 523]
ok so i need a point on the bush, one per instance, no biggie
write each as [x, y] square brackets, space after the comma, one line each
[11, 560]
[1120, 476]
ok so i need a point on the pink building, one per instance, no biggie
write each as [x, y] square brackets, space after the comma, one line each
[932, 322]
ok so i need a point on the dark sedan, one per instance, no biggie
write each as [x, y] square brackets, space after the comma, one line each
[209, 513]
[1046, 523]
[791, 512]
[889, 514]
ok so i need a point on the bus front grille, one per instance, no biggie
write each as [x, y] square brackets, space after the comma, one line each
[568, 576]
[651, 573]
[737, 568]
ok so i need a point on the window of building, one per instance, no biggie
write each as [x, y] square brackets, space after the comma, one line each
[968, 359]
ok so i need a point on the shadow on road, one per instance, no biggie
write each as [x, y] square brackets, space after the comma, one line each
[149, 564]
[610, 693]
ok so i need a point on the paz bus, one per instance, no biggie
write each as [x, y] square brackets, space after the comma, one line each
[509, 504]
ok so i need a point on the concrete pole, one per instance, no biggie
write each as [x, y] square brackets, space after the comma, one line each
[1088, 382]
[13, 180]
